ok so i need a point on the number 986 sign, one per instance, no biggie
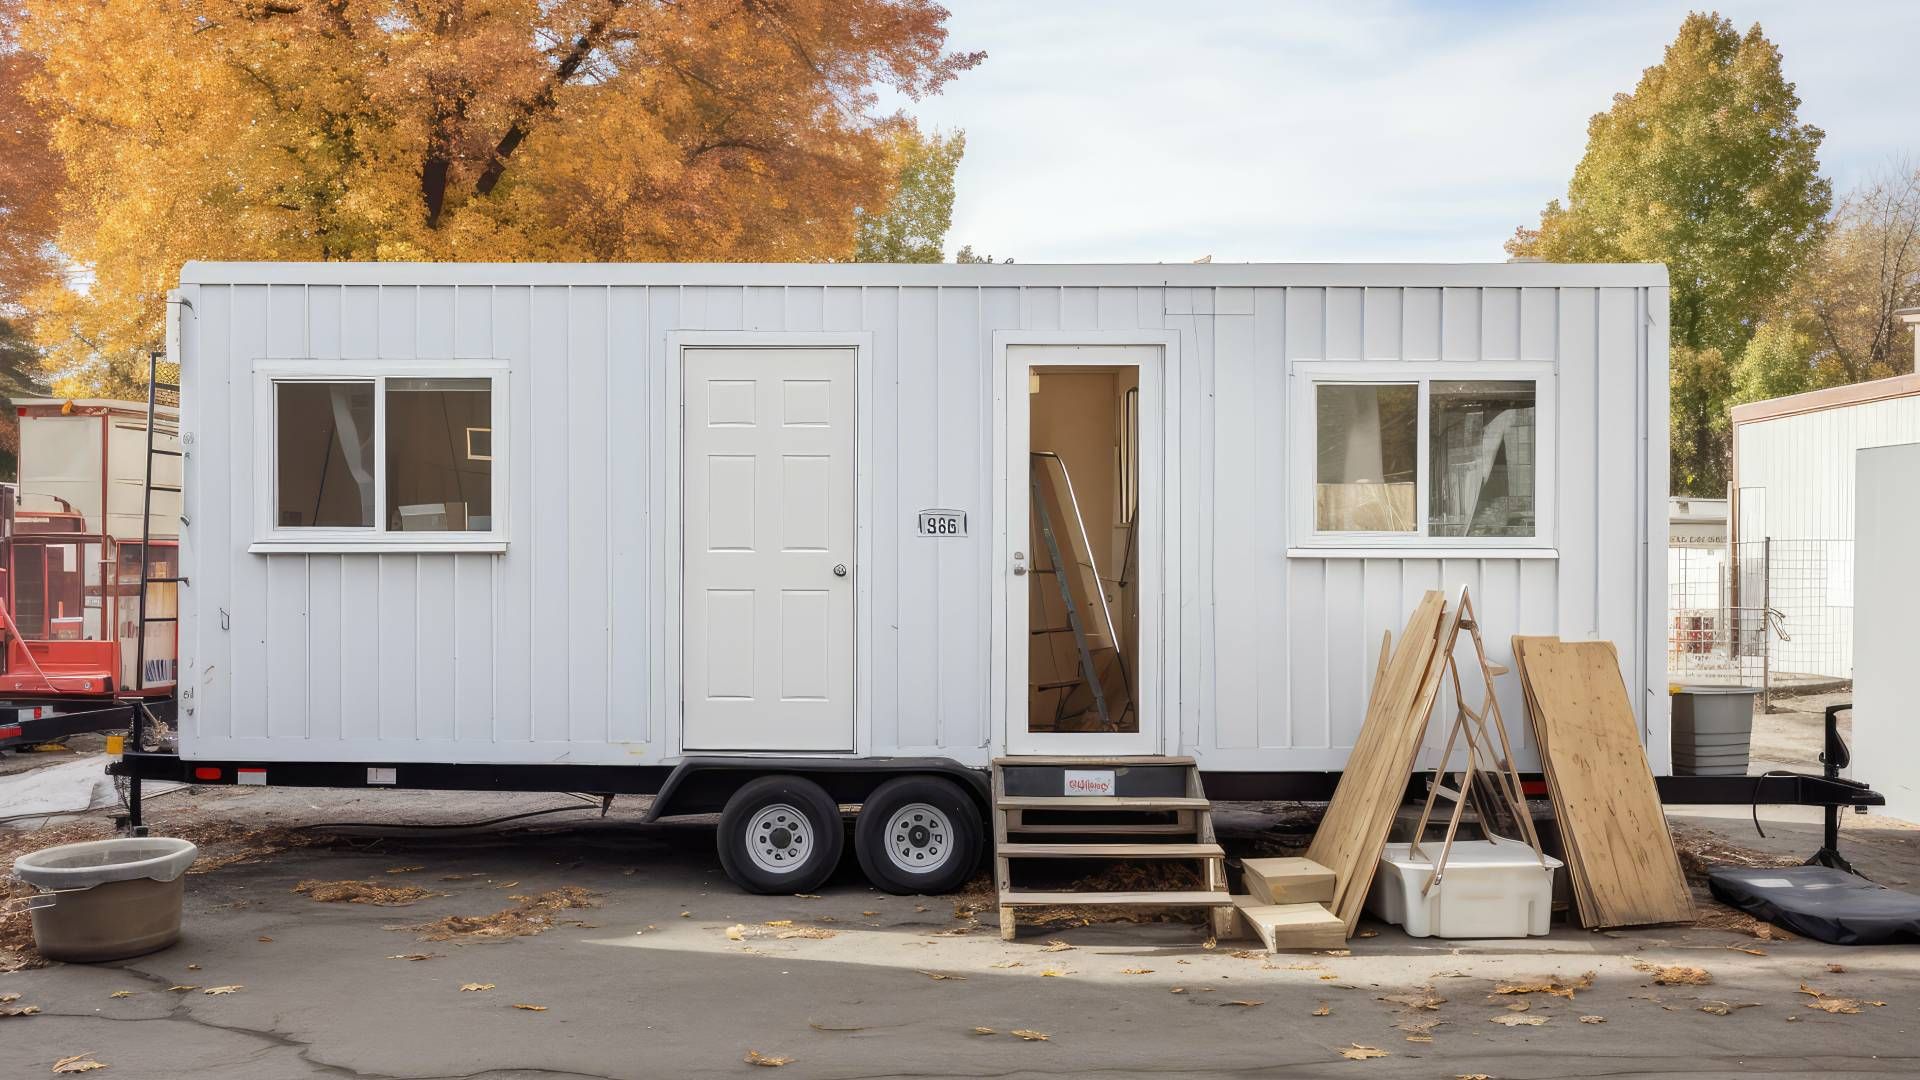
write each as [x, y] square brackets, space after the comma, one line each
[942, 523]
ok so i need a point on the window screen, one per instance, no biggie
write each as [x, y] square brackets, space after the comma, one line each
[323, 454]
[439, 455]
[1480, 458]
[1367, 441]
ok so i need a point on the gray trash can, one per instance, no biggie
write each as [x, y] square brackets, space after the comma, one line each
[1712, 730]
[106, 899]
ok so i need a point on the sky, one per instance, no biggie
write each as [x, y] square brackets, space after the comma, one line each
[1168, 130]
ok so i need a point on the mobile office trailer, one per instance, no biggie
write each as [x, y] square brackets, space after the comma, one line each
[768, 537]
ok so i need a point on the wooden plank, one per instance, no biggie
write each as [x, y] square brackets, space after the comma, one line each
[1289, 881]
[1602, 788]
[1292, 926]
[1190, 898]
[1101, 802]
[1110, 851]
[1354, 831]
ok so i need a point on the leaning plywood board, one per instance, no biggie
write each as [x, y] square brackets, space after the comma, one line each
[1603, 792]
[1291, 926]
[1289, 881]
[1354, 830]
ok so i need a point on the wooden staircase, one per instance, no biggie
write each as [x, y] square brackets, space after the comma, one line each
[1157, 811]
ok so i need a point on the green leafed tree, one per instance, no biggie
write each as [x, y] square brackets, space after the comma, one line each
[912, 228]
[1707, 168]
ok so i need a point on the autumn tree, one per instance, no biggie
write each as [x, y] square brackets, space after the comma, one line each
[455, 129]
[911, 227]
[1707, 168]
[29, 175]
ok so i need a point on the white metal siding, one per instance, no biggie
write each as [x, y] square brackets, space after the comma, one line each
[554, 651]
[1796, 480]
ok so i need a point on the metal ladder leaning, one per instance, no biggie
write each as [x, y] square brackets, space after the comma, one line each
[154, 388]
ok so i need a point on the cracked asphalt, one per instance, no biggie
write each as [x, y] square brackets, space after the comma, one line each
[633, 988]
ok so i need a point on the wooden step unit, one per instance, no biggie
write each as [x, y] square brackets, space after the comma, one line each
[1152, 808]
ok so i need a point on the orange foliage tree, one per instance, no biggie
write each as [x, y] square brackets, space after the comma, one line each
[454, 129]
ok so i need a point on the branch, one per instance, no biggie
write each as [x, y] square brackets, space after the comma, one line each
[542, 102]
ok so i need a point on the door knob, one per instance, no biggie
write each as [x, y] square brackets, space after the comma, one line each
[839, 569]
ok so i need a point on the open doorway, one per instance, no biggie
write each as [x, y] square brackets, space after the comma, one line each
[1082, 597]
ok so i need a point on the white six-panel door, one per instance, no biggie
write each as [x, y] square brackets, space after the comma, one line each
[768, 577]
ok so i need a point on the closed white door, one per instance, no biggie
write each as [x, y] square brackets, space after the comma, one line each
[768, 587]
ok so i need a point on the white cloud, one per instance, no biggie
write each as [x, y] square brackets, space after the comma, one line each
[1143, 131]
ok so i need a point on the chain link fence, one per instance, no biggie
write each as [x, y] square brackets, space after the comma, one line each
[1773, 614]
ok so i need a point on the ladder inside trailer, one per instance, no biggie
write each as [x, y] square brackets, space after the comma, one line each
[1100, 682]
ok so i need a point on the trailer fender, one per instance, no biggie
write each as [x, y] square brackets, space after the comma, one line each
[702, 785]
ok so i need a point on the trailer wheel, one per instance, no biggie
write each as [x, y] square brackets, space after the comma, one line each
[918, 835]
[780, 834]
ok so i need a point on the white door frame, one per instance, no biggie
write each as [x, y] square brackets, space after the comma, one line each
[669, 687]
[1157, 355]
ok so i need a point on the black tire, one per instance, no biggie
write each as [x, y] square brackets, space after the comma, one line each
[780, 834]
[919, 835]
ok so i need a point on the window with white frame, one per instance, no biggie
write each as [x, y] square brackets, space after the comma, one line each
[1410, 457]
[382, 460]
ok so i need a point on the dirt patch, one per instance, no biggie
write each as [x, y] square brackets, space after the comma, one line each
[1701, 851]
[531, 915]
[363, 892]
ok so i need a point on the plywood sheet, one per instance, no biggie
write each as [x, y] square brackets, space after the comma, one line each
[1625, 870]
[1355, 828]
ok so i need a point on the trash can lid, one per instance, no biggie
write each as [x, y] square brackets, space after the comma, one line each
[97, 862]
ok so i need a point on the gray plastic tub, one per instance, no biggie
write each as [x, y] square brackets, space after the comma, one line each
[1712, 730]
[106, 899]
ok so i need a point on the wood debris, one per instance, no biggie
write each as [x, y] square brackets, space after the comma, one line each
[1008, 964]
[1833, 1003]
[19, 1010]
[1054, 973]
[1837, 969]
[813, 933]
[530, 916]
[181, 989]
[363, 892]
[404, 869]
[984, 1031]
[121, 994]
[1136, 971]
[1425, 1001]
[1243, 1003]
[1677, 974]
[1554, 986]
[1749, 952]
[414, 956]
[755, 1057]
[1055, 946]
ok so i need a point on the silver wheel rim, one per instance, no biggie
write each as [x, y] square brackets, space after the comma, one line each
[919, 838]
[779, 838]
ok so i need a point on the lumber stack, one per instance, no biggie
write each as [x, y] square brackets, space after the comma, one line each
[1619, 852]
[1354, 832]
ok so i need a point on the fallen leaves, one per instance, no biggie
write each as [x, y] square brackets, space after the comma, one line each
[404, 869]
[813, 933]
[265, 940]
[474, 988]
[737, 932]
[1677, 974]
[1029, 1035]
[18, 1010]
[363, 892]
[1749, 952]
[529, 1008]
[1323, 1010]
[1054, 973]
[984, 1031]
[943, 976]
[1414, 1001]
[1726, 1008]
[181, 989]
[1243, 1003]
[1055, 946]
[1837, 969]
[1516, 1020]
[216, 991]
[1003, 964]
[78, 1063]
[755, 1057]
[1136, 971]
[1357, 1052]
[1593, 1019]
[121, 994]
[414, 956]
[1553, 985]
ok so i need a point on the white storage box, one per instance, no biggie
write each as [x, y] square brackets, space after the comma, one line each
[1491, 889]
